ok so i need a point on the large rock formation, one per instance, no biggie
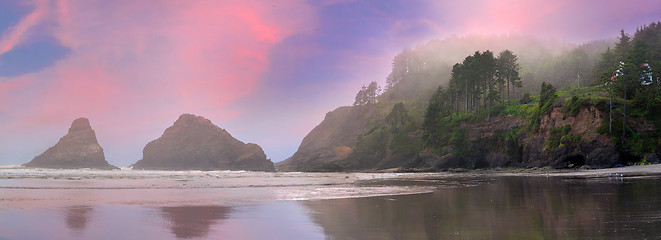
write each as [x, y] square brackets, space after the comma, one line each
[328, 143]
[194, 143]
[78, 149]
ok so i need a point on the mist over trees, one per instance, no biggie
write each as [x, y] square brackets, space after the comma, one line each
[482, 79]
[477, 82]
[568, 70]
[444, 77]
[367, 95]
[417, 72]
[508, 72]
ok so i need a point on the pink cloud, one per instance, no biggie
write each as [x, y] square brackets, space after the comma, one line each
[518, 16]
[498, 16]
[63, 28]
[15, 34]
[562, 19]
[6, 87]
[205, 53]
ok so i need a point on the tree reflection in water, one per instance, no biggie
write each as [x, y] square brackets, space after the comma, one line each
[509, 208]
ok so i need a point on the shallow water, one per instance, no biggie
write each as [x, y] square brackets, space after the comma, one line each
[244, 205]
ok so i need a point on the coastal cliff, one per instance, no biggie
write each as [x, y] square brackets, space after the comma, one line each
[606, 113]
[344, 141]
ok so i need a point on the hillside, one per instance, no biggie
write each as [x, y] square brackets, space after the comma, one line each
[338, 140]
[479, 127]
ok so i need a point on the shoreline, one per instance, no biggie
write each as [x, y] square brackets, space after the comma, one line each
[24, 188]
[627, 171]
[90, 173]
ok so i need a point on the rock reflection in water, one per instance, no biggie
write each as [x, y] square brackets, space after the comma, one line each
[77, 217]
[510, 208]
[193, 221]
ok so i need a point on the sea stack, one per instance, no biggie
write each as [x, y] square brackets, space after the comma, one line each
[194, 143]
[78, 149]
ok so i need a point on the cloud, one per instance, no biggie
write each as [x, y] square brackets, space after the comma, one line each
[568, 20]
[6, 87]
[16, 34]
[143, 64]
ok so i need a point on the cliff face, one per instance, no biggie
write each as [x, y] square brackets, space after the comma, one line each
[78, 149]
[194, 143]
[562, 141]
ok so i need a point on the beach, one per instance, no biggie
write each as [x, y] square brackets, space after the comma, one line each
[506, 203]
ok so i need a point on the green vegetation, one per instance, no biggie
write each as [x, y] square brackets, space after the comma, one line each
[410, 118]
[560, 136]
[630, 73]
[480, 81]
[525, 99]
[392, 140]
[547, 98]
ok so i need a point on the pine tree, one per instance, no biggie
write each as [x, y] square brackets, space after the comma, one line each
[508, 70]
[398, 116]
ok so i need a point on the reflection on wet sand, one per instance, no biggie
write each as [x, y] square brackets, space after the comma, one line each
[510, 208]
[77, 217]
[473, 207]
[193, 221]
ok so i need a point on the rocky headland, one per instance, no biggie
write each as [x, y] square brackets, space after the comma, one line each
[565, 138]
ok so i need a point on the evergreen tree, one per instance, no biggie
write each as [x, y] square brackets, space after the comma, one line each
[623, 45]
[438, 107]
[367, 95]
[401, 65]
[360, 96]
[372, 92]
[547, 94]
[398, 116]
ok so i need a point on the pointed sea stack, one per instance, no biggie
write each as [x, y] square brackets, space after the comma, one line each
[78, 149]
[194, 143]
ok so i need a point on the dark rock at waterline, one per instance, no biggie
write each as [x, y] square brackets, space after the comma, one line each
[78, 149]
[652, 158]
[194, 143]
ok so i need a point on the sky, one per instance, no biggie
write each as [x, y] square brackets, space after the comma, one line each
[266, 71]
